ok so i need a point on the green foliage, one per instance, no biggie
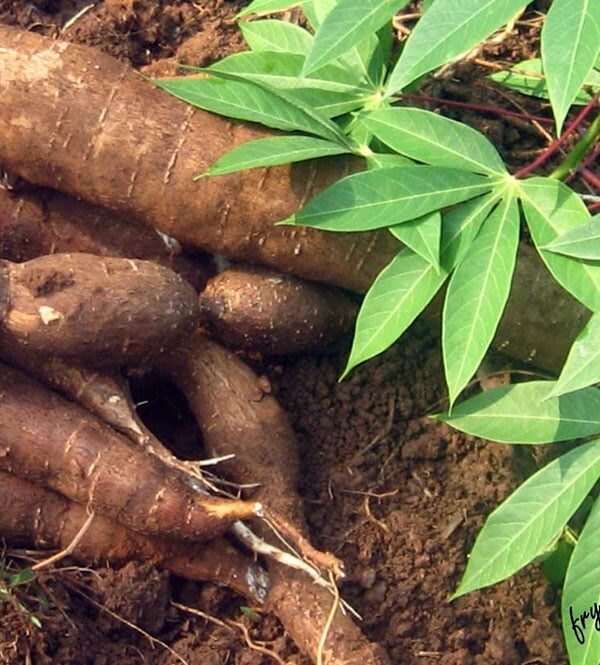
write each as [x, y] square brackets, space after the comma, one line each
[531, 518]
[570, 47]
[9, 593]
[442, 189]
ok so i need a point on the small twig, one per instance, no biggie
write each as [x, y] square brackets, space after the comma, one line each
[327, 627]
[230, 625]
[77, 16]
[477, 107]
[129, 624]
[67, 550]
[555, 145]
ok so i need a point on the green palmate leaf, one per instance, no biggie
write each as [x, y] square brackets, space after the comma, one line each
[422, 236]
[570, 46]
[433, 139]
[388, 196]
[360, 58]
[273, 151]
[382, 160]
[405, 287]
[582, 242]
[526, 523]
[552, 209]
[346, 25]
[527, 78]
[326, 103]
[449, 28]
[582, 367]
[273, 35]
[267, 7]
[282, 70]
[523, 413]
[477, 294]
[397, 296]
[249, 101]
[581, 592]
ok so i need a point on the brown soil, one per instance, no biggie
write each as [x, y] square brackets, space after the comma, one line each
[397, 496]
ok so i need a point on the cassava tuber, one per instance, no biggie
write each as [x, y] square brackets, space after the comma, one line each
[52, 442]
[258, 309]
[94, 310]
[33, 516]
[238, 415]
[43, 221]
[104, 134]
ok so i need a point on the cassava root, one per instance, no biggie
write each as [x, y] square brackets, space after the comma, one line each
[43, 221]
[94, 310]
[34, 517]
[104, 134]
[238, 414]
[258, 309]
[52, 442]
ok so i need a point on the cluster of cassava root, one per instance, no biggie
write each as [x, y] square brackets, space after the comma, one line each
[90, 292]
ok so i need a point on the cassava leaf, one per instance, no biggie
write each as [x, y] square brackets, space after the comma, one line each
[247, 101]
[378, 160]
[273, 151]
[326, 103]
[552, 209]
[397, 296]
[388, 196]
[282, 70]
[433, 139]
[345, 26]
[581, 591]
[359, 58]
[527, 78]
[267, 7]
[423, 236]
[525, 524]
[570, 45]
[447, 29]
[274, 35]
[582, 242]
[405, 287]
[523, 413]
[582, 366]
[477, 294]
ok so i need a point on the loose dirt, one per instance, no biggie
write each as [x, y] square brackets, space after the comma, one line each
[397, 496]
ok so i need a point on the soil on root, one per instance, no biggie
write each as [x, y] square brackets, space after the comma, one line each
[399, 497]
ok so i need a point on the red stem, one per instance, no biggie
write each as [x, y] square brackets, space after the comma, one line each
[559, 142]
[593, 207]
[591, 158]
[592, 178]
[477, 107]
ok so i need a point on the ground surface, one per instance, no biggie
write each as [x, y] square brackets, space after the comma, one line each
[397, 496]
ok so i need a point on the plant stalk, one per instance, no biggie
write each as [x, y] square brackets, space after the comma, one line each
[574, 158]
[559, 142]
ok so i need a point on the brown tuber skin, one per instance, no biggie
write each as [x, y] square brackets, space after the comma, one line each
[94, 310]
[104, 134]
[237, 414]
[52, 442]
[258, 309]
[35, 223]
[35, 517]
